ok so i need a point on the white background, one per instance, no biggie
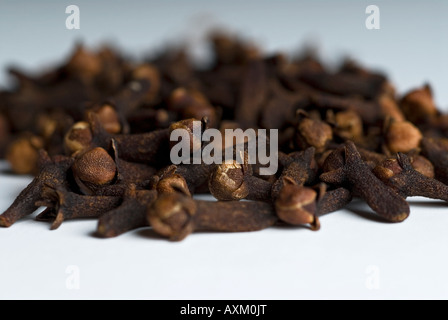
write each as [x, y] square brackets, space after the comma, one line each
[353, 256]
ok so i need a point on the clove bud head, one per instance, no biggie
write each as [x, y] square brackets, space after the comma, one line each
[22, 154]
[171, 215]
[93, 169]
[402, 137]
[423, 165]
[296, 205]
[188, 126]
[227, 182]
[387, 169]
[348, 125]
[173, 183]
[78, 138]
[418, 105]
[313, 133]
[109, 119]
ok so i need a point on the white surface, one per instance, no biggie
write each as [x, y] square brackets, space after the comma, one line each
[279, 263]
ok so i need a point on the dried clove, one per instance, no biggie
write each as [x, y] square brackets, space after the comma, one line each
[404, 179]
[332, 200]
[69, 205]
[129, 215]
[175, 216]
[299, 167]
[113, 117]
[234, 181]
[361, 181]
[94, 169]
[296, 205]
[53, 173]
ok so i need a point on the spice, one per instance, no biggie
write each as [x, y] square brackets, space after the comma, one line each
[404, 179]
[296, 204]
[299, 167]
[129, 215]
[53, 174]
[69, 205]
[95, 131]
[435, 152]
[312, 133]
[332, 200]
[94, 169]
[361, 181]
[234, 181]
[175, 216]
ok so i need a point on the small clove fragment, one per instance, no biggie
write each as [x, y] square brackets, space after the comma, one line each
[95, 130]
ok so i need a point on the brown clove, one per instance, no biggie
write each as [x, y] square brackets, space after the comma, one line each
[175, 216]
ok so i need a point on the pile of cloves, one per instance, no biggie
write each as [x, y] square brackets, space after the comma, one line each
[95, 133]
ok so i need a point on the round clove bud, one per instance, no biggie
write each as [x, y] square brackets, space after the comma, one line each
[22, 154]
[173, 183]
[148, 72]
[418, 105]
[296, 205]
[389, 108]
[109, 119]
[313, 133]
[93, 169]
[78, 138]
[348, 125]
[227, 182]
[188, 125]
[182, 98]
[423, 165]
[84, 64]
[402, 137]
[387, 169]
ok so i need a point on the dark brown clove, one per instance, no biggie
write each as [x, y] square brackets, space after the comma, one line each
[70, 205]
[301, 169]
[150, 148]
[175, 216]
[129, 215]
[296, 205]
[131, 172]
[53, 173]
[418, 105]
[332, 200]
[94, 169]
[312, 133]
[196, 176]
[404, 179]
[422, 165]
[23, 154]
[78, 138]
[438, 157]
[233, 181]
[361, 181]
[344, 84]
[402, 137]
[253, 94]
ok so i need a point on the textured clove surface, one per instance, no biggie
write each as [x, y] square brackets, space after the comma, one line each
[94, 132]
